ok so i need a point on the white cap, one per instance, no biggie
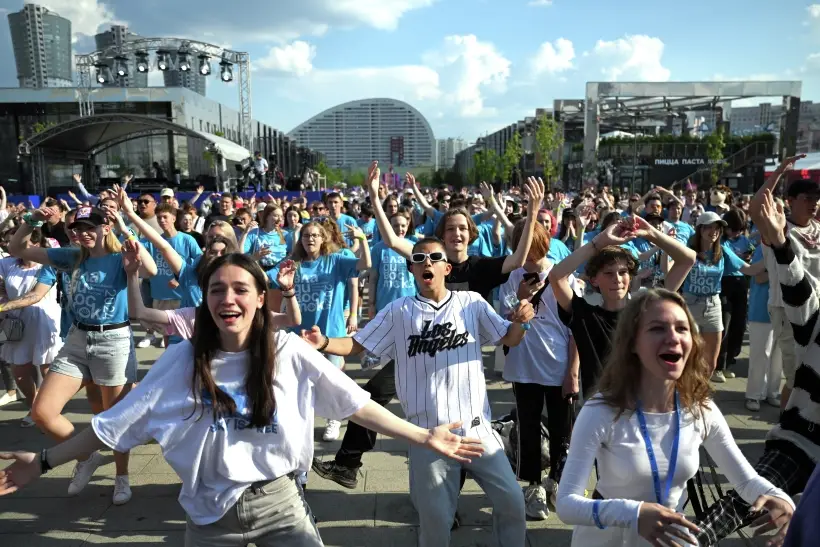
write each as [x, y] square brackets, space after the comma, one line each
[261, 207]
[166, 193]
[709, 217]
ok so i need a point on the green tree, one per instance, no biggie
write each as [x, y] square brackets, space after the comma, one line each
[512, 157]
[549, 139]
[356, 178]
[424, 179]
[453, 178]
[715, 145]
[438, 178]
[486, 166]
[219, 133]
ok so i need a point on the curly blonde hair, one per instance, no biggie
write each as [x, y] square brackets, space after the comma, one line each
[621, 379]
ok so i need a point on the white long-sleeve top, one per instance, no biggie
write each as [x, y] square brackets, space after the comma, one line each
[625, 480]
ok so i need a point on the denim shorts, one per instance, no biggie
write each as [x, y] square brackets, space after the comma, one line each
[105, 358]
[707, 311]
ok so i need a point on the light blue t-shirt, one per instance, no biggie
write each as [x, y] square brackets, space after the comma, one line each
[558, 251]
[759, 294]
[742, 247]
[683, 231]
[369, 228]
[320, 289]
[96, 291]
[395, 280]
[345, 222]
[258, 240]
[47, 276]
[189, 289]
[704, 277]
[483, 244]
[289, 235]
[187, 248]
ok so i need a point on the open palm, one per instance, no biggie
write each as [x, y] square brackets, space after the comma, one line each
[25, 469]
[453, 446]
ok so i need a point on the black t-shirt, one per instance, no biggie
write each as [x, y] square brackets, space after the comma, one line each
[592, 327]
[200, 239]
[478, 274]
[216, 216]
[57, 231]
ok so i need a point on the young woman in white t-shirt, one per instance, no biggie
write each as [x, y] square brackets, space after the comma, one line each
[645, 427]
[233, 412]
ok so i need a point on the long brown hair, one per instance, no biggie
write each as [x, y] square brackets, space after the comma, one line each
[441, 227]
[621, 379]
[261, 351]
[696, 243]
[263, 215]
[299, 254]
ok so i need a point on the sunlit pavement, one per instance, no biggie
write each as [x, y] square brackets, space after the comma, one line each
[378, 512]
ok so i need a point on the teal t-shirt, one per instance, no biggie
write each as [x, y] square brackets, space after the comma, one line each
[704, 277]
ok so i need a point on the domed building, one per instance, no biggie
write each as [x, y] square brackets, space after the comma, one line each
[353, 134]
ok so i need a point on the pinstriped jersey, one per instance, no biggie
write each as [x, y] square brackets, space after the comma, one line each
[437, 350]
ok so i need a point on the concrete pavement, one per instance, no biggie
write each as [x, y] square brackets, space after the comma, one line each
[378, 512]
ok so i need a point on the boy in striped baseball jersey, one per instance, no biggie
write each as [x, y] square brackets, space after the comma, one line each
[435, 339]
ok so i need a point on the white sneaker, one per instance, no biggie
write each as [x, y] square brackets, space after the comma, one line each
[729, 374]
[145, 342]
[774, 401]
[83, 472]
[331, 430]
[552, 492]
[27, 421]
[8, 398]
[535, 499]
[753, 405]
[122, 490]
[718, 377]
[161, 341]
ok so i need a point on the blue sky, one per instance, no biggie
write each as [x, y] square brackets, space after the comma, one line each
[470, 66]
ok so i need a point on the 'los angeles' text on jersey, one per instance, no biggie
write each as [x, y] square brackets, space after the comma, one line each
[440, 337]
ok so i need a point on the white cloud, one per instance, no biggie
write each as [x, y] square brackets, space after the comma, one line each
[554, 58]
[637, 57]
[87, 16]
[296, 58]
[814, 11]
[468, 67]
[380, 14]
[540, 3]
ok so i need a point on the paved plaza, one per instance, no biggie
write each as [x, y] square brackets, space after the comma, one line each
[378, 512]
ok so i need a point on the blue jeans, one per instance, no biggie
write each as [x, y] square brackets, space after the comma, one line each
[434, 487]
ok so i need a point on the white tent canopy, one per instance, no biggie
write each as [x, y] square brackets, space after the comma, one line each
[617, 134]
[810, 163]
[229, 150]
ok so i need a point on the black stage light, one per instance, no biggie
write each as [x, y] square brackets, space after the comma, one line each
[204, 65]
[227, 71]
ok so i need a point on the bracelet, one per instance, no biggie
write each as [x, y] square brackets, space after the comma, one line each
[595, 507]
[286, 289]
[324, 346]
[28, 219]
[291, 295]
[45, 467]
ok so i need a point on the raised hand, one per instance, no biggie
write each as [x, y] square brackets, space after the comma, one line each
[373, 175]
[131, 259]
[641, 228]
[411, 180]
[314, 337]
[286, 274]
[770, 219]
[24, 470]
[124, 201]
[615, 234]
[585, 215]
[450, 445]
[78, 178]
[200, 190]
[250, 226]
[355, 232]
[486, 191]
[534, 188]
[46, 213]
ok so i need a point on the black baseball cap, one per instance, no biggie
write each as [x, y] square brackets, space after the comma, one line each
[652, 217]
[88, 216]
[803, 186]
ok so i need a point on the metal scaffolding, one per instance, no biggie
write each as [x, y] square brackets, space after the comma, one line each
[88, 63]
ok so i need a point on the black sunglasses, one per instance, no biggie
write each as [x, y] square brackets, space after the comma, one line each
[418, 258]
[145, 201]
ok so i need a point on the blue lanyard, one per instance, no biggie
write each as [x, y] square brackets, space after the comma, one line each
[653, 464]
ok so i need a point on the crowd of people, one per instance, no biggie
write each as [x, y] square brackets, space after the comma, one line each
[628, 307]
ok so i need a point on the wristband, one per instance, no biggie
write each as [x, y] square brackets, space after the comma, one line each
[286, 289]
[44, 465]
[291, 295]
[324, 346]
[595, 507]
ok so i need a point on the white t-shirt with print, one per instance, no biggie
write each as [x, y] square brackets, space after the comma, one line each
[218, 459]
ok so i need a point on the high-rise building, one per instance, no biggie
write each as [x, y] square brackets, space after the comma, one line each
[116, 37]
[353, 134]
[41, 40]
[446, 150]
[190, 79]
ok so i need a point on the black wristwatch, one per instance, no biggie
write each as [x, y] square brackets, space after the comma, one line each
[44, 466]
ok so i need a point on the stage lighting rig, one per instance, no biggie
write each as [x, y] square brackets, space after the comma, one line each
[226, 70]
[184, 61]
[102, 73]
[121, 64]
[162, 60]
[204, 65]
[142, 62]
